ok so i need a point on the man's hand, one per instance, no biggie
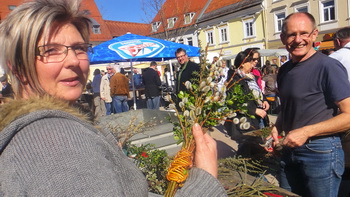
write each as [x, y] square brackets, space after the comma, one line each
[296, 137]
[274, 135]
[206, 152]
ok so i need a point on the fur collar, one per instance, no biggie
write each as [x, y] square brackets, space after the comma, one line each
[13, 109]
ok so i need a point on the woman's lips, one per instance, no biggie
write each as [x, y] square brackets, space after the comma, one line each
[70, 81]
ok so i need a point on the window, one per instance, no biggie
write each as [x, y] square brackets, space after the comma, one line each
[328, 10]
[223, 34]
[171, 22]
[189, 17]
[210, 37]
[95, 26]
[249, 27]
[12, 7]
[155, 26]
[302, 9]
[181, 41]
[279, 17]
[87, 12]
[96, 29]
[190, 41]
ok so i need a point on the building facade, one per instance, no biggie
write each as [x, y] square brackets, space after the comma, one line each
[176, 21]
[330, 16]
[228, 27]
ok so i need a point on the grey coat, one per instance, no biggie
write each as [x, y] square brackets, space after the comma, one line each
[49, 149]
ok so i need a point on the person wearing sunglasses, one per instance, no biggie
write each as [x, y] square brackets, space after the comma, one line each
[253, 119]
[315, 109]
[47, 146]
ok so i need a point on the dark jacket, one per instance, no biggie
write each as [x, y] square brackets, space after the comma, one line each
[7, 91]
[152, 83]
[186, 75]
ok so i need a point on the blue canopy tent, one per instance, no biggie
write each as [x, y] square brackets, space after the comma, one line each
[131, 47]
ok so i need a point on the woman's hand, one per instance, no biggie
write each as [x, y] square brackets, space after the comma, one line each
[266, 105]
[206, 151]
[260, 112]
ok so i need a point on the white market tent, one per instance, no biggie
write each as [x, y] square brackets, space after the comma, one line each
[264, 53]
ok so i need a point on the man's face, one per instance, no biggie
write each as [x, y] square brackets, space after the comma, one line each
[299, 37]
[182, 57]
[109, 69]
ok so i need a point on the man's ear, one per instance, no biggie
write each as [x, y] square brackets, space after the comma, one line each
[338, 43]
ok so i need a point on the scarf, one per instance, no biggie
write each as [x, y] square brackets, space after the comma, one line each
[253, 86]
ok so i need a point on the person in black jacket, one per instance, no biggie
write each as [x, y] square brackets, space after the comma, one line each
[152, 84]
[187, 70]
[6, 88]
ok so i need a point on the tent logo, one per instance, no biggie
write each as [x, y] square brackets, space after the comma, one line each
[138, 48]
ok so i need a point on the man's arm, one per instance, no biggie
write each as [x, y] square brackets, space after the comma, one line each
[337, 124]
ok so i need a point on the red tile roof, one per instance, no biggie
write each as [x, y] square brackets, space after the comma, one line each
[86, 5]
[95, 14]
[178, 8]
[4, 7]
[119, 28]
[217, 4]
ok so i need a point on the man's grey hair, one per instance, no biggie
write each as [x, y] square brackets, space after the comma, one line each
[116, 67]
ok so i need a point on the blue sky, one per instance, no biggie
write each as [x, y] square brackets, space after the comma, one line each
[122, 10]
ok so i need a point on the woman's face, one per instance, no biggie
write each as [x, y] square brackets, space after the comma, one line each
[65, 79]
[247, 67]
[255, 59]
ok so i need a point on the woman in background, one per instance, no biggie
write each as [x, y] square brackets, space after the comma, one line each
[244, 63]
[47, 147]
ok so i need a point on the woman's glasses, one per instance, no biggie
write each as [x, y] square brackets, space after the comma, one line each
[58, 52]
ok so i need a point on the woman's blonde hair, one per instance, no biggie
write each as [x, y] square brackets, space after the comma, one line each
[21, 31]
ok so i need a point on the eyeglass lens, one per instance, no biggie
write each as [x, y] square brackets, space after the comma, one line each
[57, 52]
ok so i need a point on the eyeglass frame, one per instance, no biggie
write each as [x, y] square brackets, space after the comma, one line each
[181, 56]
[307, 35]
[89, 48]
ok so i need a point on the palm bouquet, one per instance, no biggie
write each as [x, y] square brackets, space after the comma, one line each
[207, 103]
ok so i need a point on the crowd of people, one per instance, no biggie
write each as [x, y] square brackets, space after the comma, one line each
[49, 147]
